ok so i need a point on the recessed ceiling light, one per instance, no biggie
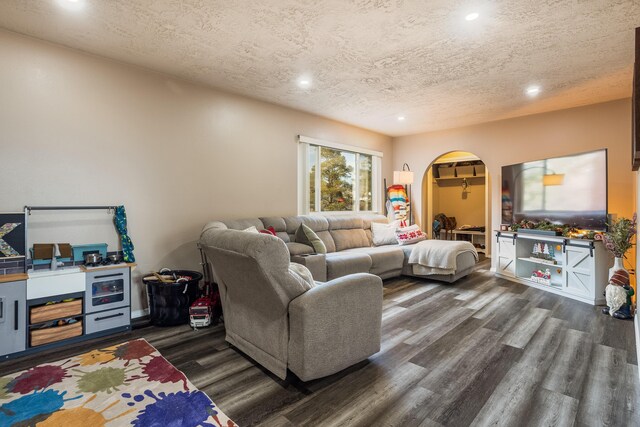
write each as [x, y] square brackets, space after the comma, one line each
[533, 90]
[304, 82]
[401, 118]
[71, 4]
[472, 16]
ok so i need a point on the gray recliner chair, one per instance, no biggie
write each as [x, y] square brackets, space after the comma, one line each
[279, 317]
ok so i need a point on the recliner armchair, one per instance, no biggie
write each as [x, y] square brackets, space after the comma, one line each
[282, 319]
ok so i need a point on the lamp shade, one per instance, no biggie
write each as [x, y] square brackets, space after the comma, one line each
[402, 177]
[553, 179]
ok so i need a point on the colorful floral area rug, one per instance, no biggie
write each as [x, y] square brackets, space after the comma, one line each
[129, 384]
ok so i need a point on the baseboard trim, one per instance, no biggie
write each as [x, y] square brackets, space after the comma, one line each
[139, 313]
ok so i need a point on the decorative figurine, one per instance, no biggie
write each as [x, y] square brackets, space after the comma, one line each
[618, 294]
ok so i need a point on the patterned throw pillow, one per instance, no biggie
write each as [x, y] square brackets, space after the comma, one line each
[409, 235]
[384, 234]
[305, 235]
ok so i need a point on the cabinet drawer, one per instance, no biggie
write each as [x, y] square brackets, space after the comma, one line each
[60, 310]
[55, 333]
[106, 320]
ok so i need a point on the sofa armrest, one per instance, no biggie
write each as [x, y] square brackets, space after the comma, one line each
[335, 325]
[316, 263]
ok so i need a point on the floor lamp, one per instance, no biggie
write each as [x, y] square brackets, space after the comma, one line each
[405, 177]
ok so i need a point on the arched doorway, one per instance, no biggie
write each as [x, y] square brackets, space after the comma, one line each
[456, 184]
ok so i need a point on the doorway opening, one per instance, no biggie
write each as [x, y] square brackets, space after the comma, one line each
[455, 188]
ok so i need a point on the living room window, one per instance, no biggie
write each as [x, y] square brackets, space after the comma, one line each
[337, 178]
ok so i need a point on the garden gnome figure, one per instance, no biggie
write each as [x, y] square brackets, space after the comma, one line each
[618, 293]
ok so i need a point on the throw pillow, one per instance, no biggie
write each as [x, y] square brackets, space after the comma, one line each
[269, 230]
[251, 229]
[305, 235]
[409, 235]
[384, 234]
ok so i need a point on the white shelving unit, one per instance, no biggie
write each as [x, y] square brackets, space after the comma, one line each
[477, 238]
[579, 268]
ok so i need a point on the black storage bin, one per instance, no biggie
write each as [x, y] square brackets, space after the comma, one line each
[169, 302]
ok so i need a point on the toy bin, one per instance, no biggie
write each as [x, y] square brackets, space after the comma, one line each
[171, 293]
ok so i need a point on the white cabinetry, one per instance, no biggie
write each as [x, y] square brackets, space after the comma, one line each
[507, 255]
[575, 268]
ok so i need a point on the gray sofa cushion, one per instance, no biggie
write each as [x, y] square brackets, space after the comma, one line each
[367, 219]
[279, 225]
[383, 258]
[326, 237]
[316, 223]
[299, 248]
[343, 263]
[214, 225]
[350, 238]
[345, 222]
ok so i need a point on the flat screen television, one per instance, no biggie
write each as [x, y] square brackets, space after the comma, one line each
[562, 190]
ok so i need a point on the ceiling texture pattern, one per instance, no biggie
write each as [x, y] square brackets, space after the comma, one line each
[369, 60]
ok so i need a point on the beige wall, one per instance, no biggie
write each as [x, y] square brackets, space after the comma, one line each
[77, 129]
[534, 137]
[468, 208]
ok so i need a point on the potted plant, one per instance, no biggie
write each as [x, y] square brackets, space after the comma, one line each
[619, 239]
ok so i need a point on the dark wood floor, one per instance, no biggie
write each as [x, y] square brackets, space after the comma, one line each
[484, 351]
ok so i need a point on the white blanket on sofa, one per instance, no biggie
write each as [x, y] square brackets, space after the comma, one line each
[438, 256]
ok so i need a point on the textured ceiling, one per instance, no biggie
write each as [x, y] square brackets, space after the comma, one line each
[369, 60]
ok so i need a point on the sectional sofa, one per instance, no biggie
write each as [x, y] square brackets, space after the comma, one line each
[348, 239]
[277, 313]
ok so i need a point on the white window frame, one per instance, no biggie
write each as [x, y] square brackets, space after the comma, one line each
[304, 142]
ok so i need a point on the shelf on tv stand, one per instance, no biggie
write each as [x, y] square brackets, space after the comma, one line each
[540, 261]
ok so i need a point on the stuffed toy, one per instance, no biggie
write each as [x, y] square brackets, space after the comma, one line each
[618, 294]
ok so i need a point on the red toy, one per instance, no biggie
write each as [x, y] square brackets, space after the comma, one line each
[201, 312]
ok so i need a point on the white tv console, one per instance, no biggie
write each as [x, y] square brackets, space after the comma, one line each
[579, 269]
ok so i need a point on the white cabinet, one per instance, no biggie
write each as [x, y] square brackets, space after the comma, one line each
[507, 255]
[12, 317]
[577, 268]
[578, 271]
